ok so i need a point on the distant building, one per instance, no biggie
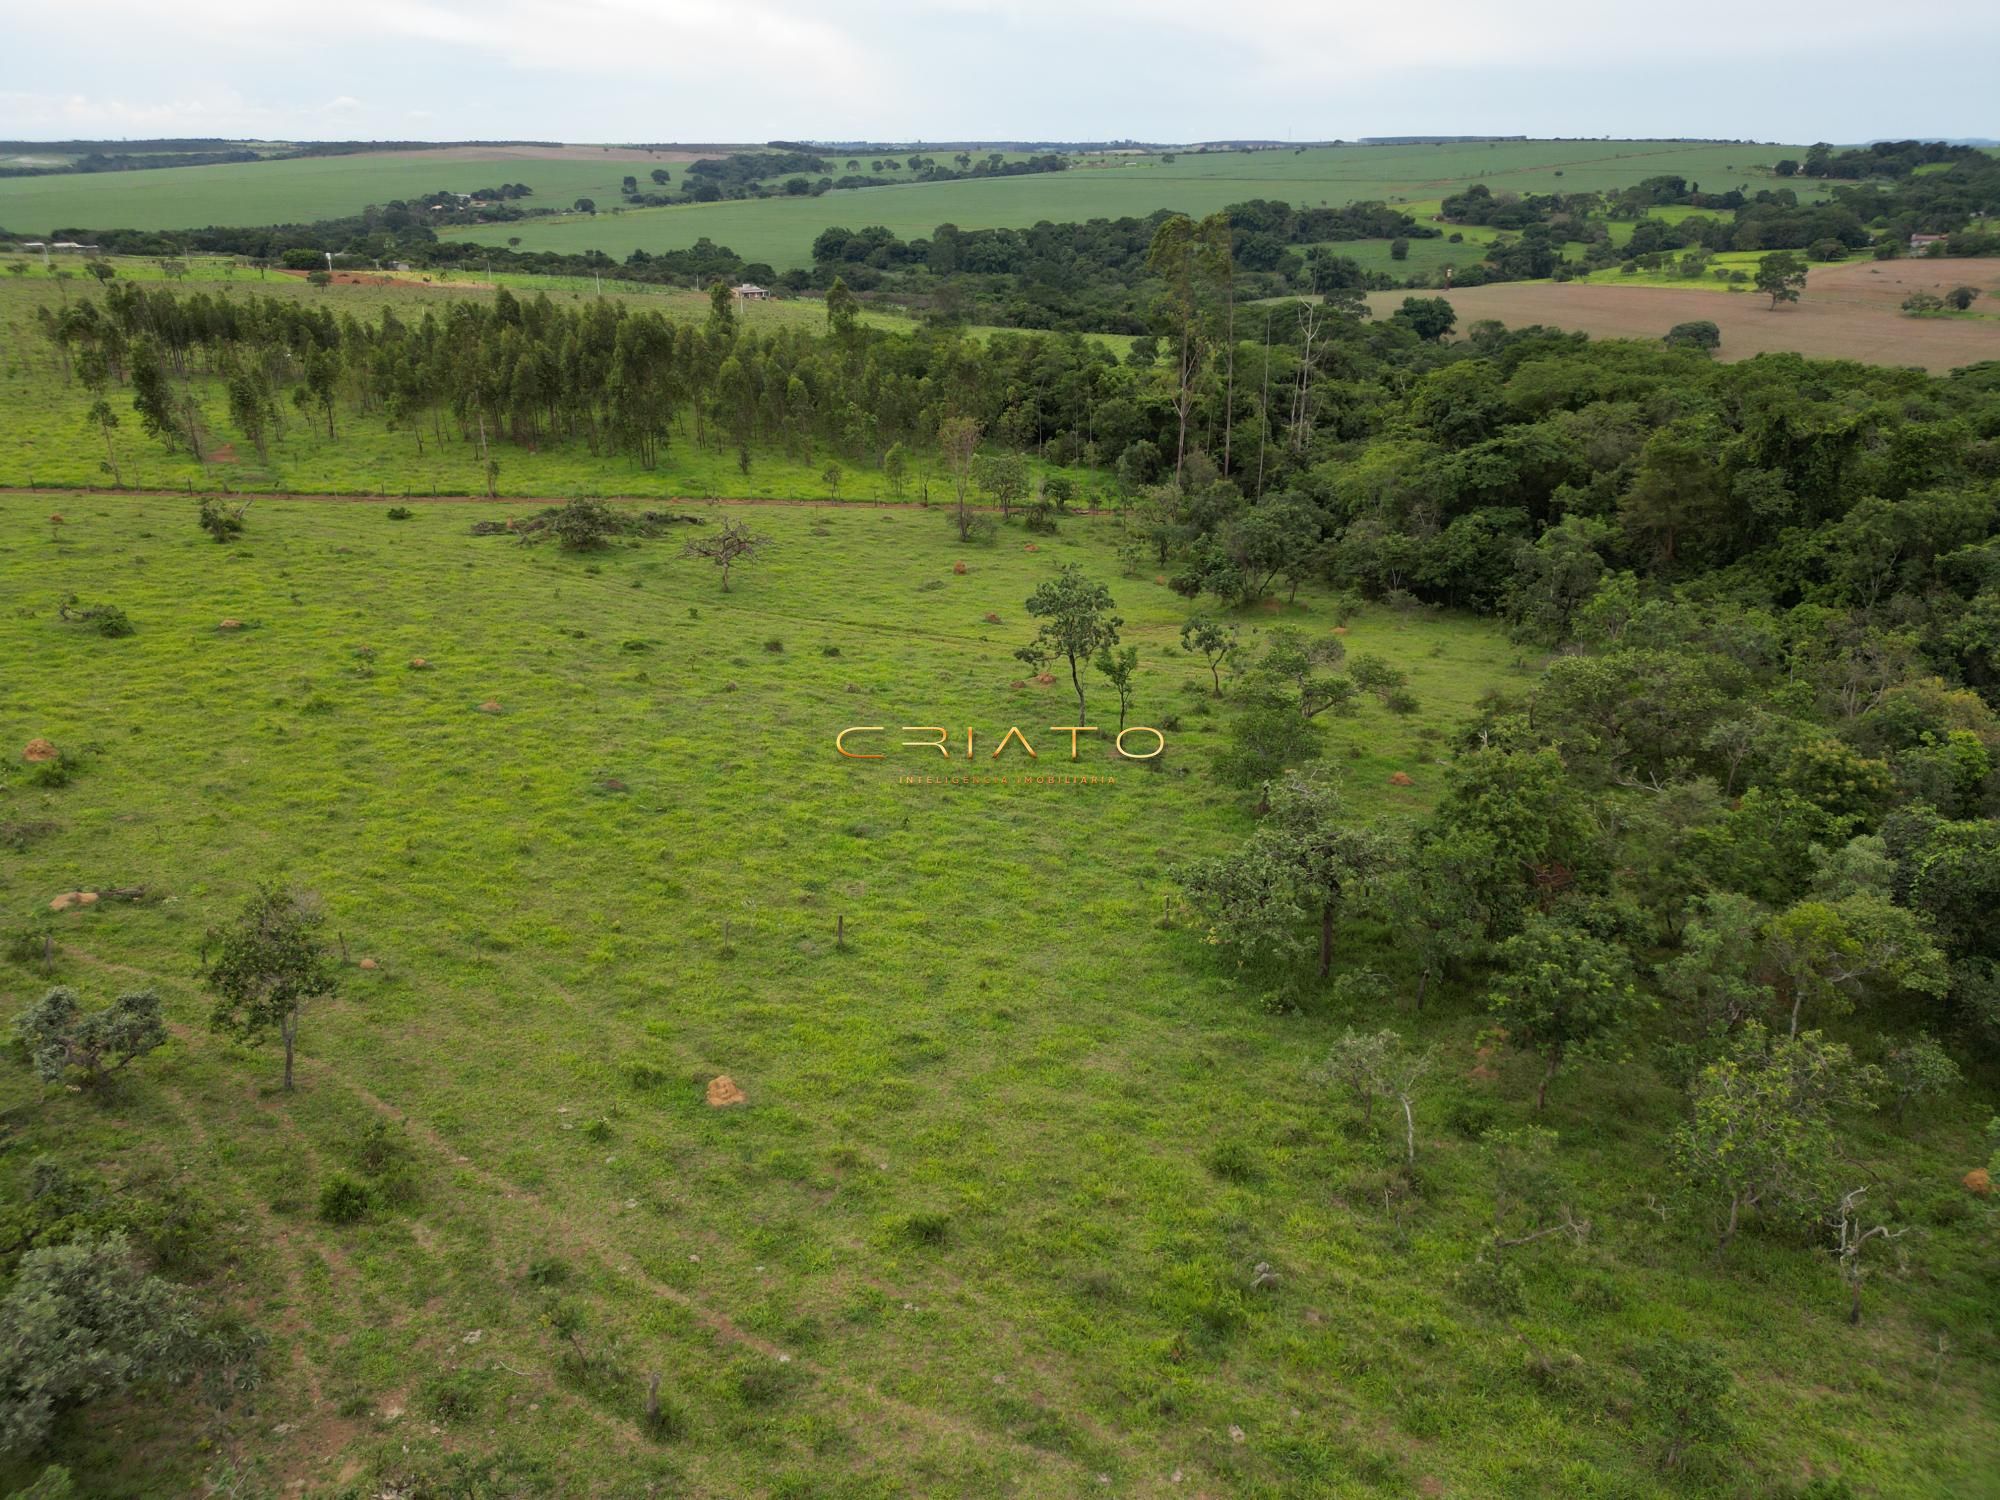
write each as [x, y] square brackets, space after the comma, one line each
[73, 248]
[750, 292]
[1925, 241]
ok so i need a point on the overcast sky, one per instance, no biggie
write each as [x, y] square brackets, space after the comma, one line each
[1163, 70]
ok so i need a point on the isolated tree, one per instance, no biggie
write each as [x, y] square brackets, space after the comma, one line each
[1825, 952]
[1960, 298]
[831, 476]
[1429, 318]
[83, 1323]
[1761, 1135]
[1371, 1066]
[1684, 1397]
[661, 176]
[842, 310]
[1915, 1068]
[586, 205]
[1698, 333]
[1781, 276]
[896, 468]
[1267, 737]
[321, 371]
[1712, 984]
[1297, 663]
[1434, 910]
[1077, 623]
[721, 313]
[1118, 668]
[1852, 1235]
[1531, 1199]
[1213, 641]
[1280, 897]
[1560, 993]
[1191, 262]
[267, 965]
[105, 420]
[731, 545]
[60, 1039]
[1003, 479]
[958, 441]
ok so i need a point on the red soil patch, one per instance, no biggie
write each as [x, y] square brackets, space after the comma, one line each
[1979, 1181]
[1017, 684]
[39, 750]
[991, 618]
[958, 568]
[1401, 779]
[226, 454]
[70, 899]
[490, 706]
[369, 964]
[1340, 630]
[230, 624]
[1046, 679]
[723, 1092]
[1031, 547]
[419, 664]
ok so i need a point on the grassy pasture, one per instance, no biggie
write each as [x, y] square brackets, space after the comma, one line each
[987, 1222]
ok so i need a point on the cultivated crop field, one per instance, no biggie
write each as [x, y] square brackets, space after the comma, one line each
[780, 231]
[318, 187]
[1011, 1156]
[1847, 311]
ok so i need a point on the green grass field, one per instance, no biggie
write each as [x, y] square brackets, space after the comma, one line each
[1010, 1158]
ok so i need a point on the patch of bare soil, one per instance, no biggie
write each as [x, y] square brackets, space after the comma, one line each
[723, 1092]
[1849, 310]
[38, 750]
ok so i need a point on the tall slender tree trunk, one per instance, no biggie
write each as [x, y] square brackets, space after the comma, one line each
[1229, 370]
[289, 1028]
[1325, 939]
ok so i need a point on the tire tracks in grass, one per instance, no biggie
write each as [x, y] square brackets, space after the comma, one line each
[912, 1419]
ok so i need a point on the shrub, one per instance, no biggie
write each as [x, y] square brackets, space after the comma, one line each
[1469, 1116]
[1685, 1395]
[383, 1156]
[582, 525]
[400, 513]
[219, 521]
[924, 1228]
[1493, 1284]
[775, 646]
[1233, 1161]
[106, 619]
[548, 1271]
[343, 1200]
[452, 1397]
